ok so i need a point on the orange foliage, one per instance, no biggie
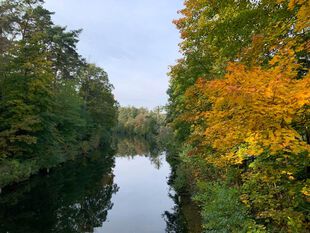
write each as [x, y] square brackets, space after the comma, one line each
[255, 108]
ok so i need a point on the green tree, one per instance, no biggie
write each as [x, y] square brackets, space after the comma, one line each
[50, 99]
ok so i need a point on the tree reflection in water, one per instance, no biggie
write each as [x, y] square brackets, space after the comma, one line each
[184, 216]
[73, 198]
[174, 219]
[76, 197]
[139, 146]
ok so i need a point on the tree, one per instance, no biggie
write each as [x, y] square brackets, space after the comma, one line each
[46, 104]
[239, 103]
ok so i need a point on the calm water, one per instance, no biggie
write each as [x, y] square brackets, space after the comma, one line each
[126, 193]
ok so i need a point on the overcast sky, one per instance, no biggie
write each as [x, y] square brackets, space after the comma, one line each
[133, 40]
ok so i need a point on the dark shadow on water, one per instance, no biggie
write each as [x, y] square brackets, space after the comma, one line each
[184, 216]
[73, 198]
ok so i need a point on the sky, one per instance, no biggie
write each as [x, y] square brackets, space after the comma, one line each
[133, 40]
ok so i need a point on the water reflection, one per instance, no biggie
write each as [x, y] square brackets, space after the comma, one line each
[184, 216]
[97, 194]
[181, 215]
[131, 147]
[174, 219]
[73, 198]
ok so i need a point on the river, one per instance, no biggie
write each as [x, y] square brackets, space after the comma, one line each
[125, 193]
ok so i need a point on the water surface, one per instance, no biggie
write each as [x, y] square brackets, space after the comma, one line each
[143, 196]
[124, 193]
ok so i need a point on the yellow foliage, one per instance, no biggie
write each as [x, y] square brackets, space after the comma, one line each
[255, 107]
[254, 116]
[303, 14]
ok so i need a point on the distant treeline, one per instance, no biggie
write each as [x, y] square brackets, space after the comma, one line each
[53, 105]
[142, 122]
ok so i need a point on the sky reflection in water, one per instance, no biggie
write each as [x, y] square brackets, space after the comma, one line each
[127, 194]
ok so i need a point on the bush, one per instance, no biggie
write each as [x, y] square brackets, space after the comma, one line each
[222, 210]
[15, 171]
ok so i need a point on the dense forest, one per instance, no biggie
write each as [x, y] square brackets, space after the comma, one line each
[141, 122]
[239, 107]
[54, 106]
